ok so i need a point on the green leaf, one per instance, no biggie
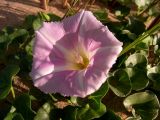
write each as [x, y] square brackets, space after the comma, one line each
[96, 97]
[101, 15]
[145, 104]
[124, 2]
[136, 26]
[155, 10]
[154, 75]
[100, 93]
[92, 107]
[141, 38]
[138, 78]
[134, 118]
[136, 60]
[18, 33]
[44, 112]
[37, 23]
[6, 79]
[110, 115]
[4, 38]
[143, 3]
[144, 44]
[28, 22]
[69, 113]
[14, 116]
[49, 112]
[8, 30]
[54, 17]
[120, 83]
[122, 11]
[85, 112]
[88, 112]
[136, 66]
[18, 116]
[44, 16]
[23, 106]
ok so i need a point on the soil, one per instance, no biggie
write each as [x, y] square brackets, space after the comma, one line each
[13, 12]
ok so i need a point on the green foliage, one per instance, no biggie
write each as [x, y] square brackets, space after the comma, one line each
[145, 104]
[94, 108]
[101, 15]
[154, 75]
[141, 38]
[136, 60]
[140, 82]
[15, 116]
[44, 113]
[89, 111]
[136, 66]
[143, 3]
[23, 105]
[120, 83]
[131, 73]
[6, 79]
[109, 115]
[136, 26]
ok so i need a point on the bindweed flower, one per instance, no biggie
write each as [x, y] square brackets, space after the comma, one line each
[73, 57]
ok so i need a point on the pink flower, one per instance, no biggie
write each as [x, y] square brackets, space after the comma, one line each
[73, 57]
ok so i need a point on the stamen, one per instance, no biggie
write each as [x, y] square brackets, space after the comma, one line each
[78, 58]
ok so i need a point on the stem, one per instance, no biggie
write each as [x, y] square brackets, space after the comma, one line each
[146, 9]
[52, 97]
[70, 8]
[85, 6]
[25, 43]
[13, 93]
[155, 21]
[140, 38]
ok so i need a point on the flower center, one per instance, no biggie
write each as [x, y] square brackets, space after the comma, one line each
[77, 59]
[81, 62]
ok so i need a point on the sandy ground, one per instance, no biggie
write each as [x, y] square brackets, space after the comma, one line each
[12, 12]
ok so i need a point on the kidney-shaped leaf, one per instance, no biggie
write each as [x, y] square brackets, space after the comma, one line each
[5, 79]
[138, 78]
[44, 112]
[145, 104]
[89, 108]
[23, 105]
[109, 115]
[136, 60]
[14, 116]
[120, 83]
[89, 112]
[99, 94]
[154, 74]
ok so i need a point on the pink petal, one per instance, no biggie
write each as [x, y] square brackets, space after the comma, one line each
[44, 48]
[53, 43]
[105, 57]
[96, 74]
[61, 82]
[71, 83]
[52, 31]
[41, 51]
[92, 31]
[71, 24]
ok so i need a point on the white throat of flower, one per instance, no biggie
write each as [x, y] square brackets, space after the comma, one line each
[77, 58]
